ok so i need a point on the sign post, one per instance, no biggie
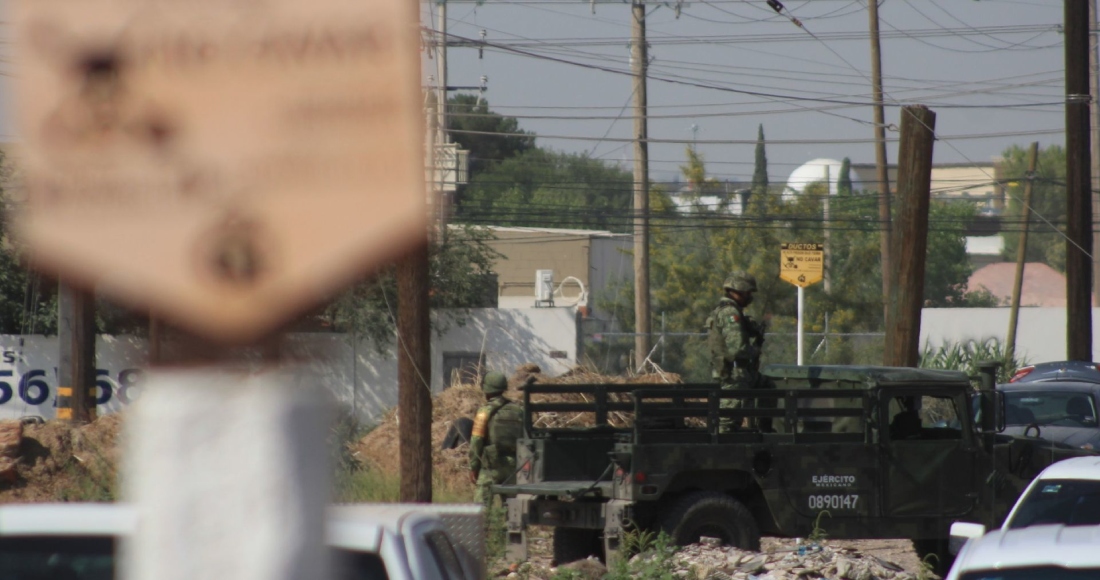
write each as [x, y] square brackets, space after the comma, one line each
[229, 166]
[801, 265]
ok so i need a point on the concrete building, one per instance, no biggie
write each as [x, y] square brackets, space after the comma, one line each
[975, 182]
[585, 264]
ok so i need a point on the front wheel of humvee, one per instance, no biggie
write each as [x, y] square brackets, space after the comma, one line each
[710, 514]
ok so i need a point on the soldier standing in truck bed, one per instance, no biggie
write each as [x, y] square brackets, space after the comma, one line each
[497, 426]
[736, 342]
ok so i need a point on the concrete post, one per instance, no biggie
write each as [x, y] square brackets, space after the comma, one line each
[229, 474]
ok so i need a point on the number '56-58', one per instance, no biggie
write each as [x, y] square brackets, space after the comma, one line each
[34, 390]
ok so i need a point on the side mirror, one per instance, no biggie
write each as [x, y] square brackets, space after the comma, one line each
[961, 533]
[991, 411]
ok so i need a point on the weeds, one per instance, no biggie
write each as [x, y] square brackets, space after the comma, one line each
[963, 356]
[819, 533]
[927, 569]
[654, 559]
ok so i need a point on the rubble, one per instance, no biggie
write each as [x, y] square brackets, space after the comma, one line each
[800, 561]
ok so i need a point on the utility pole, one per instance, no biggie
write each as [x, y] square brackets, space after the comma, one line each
[639, 59]
[76, 356]
[881, 167]
[918, 124]
[414, 371]
[1094, 149]
[1021, 251]
[443, 201]
[1078, 182]
[827, 235]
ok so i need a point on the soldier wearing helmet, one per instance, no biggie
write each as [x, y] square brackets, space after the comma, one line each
[736, 342]
[497, 426]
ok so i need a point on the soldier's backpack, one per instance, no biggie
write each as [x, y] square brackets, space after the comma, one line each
[505, 427]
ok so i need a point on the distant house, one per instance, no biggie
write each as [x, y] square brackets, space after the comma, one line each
[974, 182]
[583, 264]
[1042, 285]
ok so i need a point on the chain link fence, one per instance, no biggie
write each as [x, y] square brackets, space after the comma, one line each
[687, 354]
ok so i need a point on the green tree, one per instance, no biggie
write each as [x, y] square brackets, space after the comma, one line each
[543, 188]
[760, 170]
[1048, 199]
[459, 277]
[492, 137]
[947, 268]
[844, 180]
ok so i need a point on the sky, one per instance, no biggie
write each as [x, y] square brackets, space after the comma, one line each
[991, 70]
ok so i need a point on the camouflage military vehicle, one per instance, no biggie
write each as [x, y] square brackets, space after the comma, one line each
[874, 452]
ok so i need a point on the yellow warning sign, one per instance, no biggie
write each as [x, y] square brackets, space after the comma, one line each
[802, 264]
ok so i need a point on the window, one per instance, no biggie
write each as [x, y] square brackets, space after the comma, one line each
[353, 565]
[1033, 573]
[925, 418]
[445, 556]
[1070, 502]
[1055, 408]
[52, 558]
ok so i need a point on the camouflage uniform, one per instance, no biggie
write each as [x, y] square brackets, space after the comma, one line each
[736, 342]
[497, 426]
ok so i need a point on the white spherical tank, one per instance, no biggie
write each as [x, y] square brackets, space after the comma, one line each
[815, 171]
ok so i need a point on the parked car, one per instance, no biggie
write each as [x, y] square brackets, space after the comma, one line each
[1066, 370]
[75, 541]
[1033, 553]
[1062, 411]
[1067, 493]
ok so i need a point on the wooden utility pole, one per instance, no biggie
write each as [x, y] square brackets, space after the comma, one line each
[76, 356]
[414, 371]
[1094, 136]
[918, 125]
[1078, 184]
[443, 200]
[639, 59]
[881, 167]
[1021, 250]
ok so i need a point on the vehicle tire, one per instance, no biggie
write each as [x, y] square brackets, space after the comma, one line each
[941, 564]
[711, 514]
[572, 544]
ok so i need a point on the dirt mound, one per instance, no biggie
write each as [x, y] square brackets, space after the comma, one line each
[62, 462]
[377, 448]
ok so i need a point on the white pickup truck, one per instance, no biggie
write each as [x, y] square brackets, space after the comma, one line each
[73, 541]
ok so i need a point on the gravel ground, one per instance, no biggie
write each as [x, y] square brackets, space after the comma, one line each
[881, 553]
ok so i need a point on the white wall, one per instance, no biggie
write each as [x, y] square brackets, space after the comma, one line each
[359, 376]
[1040, 332]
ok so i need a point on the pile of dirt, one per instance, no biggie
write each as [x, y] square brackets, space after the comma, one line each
[59, 461]
[376, 449]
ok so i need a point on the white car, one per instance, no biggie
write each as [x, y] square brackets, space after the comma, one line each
[1039, 552]
[1055, 515]
[74, 541]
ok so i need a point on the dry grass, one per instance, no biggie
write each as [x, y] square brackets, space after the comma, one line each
[62, 462]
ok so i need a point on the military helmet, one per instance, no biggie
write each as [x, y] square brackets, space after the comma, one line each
[494, 383]
[740, 281]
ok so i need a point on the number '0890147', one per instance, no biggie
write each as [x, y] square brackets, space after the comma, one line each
[32, 388]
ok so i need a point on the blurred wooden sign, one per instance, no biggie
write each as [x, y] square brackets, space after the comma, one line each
[228, 163]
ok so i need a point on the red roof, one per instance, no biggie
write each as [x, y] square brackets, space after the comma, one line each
[1043, 285]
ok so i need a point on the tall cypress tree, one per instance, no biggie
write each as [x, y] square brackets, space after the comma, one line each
[844, 180]
[760, 173]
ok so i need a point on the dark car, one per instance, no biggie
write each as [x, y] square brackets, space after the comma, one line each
[1066, 370]
[1062, 411]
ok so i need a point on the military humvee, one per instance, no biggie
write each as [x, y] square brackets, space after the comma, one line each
[874, 452]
